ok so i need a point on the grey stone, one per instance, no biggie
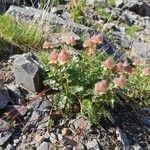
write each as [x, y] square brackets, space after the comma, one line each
[92, 144]
[141, 50]
[144, 115]
[5, 133]
[127, 19]
[138, 6]
[119, 3]
[34, 3]
[43, 123]
[121, 38]
[137, 147]
[96, 2]
[4, 97]
[44, 146]
[45, 106]
[31, 15]
[122, 137]
[27, 72]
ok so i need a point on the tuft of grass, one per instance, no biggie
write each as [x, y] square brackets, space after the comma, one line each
[132, 30]
[78, 13]
[20, 34]
[111, 3]
[101, 11]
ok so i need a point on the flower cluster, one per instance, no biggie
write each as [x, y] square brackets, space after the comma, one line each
[63, 57]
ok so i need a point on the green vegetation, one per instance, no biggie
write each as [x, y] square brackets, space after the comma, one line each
[19, 34]
[111, 3]
[132, 30]
[101, 11]
[78, 13]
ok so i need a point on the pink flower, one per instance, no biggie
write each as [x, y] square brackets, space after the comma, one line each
[71, 41]
[97, 39]
[120, 82]
[64, 56]
[127, 67]
[53, 58]
[88, 43]
[146, 71]
[108, 64]
[101, 87]
[119, 67]
[47, 45]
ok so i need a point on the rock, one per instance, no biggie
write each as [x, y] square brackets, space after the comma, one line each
[4, 97]
[96, 2]
[92, 144]
[127, 19]
[5, 134]
[45, 106]
[44, 146]
[144, 115]
[121, 38]
[141, 50]
[119, 3]
[137, 147]
[2, 8]
[27, 72]
[140, 7]
[7, 3]
[15, 109]
[122, 137]
[31, 15]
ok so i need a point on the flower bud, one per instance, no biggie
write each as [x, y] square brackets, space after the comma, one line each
[64, 56]
[108, 64]
[47, 45]
[101, 87]
[127, 67]
[97, 39]
[119, 67]
[88, 43]
[53, 58]
[71, 41]
[120, 82]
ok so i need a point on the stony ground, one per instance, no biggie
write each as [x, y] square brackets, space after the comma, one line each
[27, 118]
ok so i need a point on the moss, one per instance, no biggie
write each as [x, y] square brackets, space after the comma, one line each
[19, 34]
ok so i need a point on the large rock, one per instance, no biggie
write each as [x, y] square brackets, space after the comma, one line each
[140, 7]
[27, 72]
[45, 19]
[4, 97]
